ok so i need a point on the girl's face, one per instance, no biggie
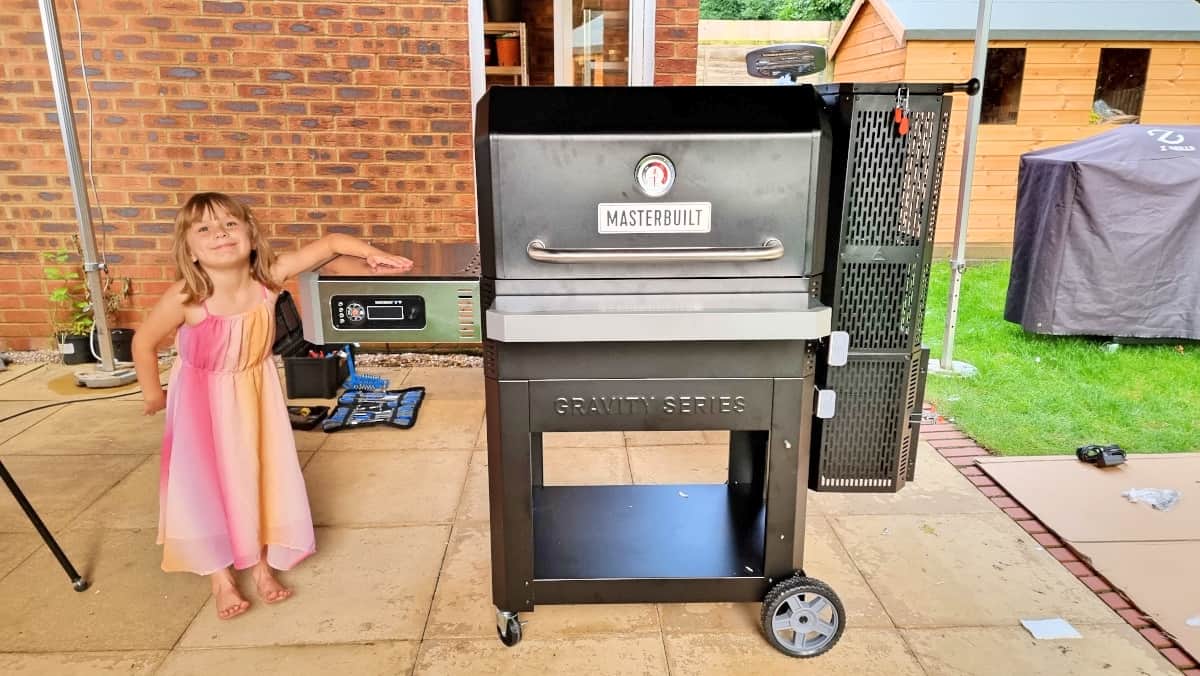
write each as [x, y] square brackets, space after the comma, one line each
[219, 240]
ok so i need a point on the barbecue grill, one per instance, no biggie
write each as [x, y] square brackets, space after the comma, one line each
[700, 258]
[752, 260]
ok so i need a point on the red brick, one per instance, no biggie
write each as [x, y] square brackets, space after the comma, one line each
[1004, 503]
[992, 491]
[1134, 618]
[1077, 568]
[1047, 540]
[945, 444]
[1063, 554]
[981, 481]
[1156, 638]
[1114, 600]
[937, 427]
[1178, 658]
[962, 461]
[1018, 513]
[1096, 584]
[962, 451]
[940, 436]
[973, 470]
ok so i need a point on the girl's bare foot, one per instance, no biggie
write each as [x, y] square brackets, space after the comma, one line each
[268, 587]
[230, 603]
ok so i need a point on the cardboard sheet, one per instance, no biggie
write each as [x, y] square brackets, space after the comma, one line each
[1082, 503]
[1160, 577]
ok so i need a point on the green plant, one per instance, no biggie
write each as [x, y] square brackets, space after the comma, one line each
[72, 299]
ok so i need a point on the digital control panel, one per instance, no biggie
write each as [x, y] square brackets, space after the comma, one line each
[377, 312]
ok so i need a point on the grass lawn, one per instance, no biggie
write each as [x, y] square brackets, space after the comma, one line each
[1041, 395]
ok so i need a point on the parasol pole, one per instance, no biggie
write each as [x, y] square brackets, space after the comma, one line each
[958, 262]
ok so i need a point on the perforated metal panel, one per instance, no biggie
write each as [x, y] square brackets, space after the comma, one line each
[868, 419]
[877, 268]
[868, 445]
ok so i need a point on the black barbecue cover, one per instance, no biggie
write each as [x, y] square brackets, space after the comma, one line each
[1107, 239]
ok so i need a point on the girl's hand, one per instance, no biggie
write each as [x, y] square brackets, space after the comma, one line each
[156, 400]
[376, 262]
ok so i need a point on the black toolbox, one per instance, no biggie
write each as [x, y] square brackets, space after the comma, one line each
[307, 377]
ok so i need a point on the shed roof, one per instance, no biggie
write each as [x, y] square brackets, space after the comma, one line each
[1125, 20]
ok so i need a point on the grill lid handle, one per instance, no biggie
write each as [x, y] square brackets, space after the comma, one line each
[770, 250]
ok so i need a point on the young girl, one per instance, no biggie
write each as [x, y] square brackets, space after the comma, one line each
[230, 492]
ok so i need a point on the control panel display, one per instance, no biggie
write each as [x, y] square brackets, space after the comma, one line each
[356, 313]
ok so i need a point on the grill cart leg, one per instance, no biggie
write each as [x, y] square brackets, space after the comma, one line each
[802, 617]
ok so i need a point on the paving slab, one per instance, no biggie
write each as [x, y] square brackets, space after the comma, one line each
[386, 487]
[16, 547]
[474, 503]
[363, 584]
[964, 570]
[376, 658]
[462, 606]
[1003, 651]
[14, 371]
[824, 559]
[858, 652]
[10, 428]
[131, 663]
[131, 504]
[599, 656]
[56, 382]
[938, 488]
[446, 383]
[131, 604]
[690, 464]
[60, 487]
[91, 428]
[585, 466]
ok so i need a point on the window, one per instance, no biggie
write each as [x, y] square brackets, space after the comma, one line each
[1002, 77]
[1120, 84]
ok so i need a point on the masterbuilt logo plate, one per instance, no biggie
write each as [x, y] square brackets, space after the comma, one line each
[662, 217]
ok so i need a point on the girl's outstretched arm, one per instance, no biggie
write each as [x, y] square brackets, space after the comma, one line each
[330, 246]
[166, 316]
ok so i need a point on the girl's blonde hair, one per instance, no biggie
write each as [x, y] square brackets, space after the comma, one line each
[197, 286]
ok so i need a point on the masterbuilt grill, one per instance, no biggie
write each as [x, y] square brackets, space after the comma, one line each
[750, 259]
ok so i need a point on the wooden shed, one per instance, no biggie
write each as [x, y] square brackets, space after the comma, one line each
[1057, 71]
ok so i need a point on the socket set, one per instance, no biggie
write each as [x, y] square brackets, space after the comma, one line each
[395, 408]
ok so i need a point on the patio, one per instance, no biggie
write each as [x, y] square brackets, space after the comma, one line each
[935, 579]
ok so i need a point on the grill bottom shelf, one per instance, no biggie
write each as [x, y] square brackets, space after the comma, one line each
[642, 544]
[607, 532]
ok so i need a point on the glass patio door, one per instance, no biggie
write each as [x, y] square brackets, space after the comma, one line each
[599, 43]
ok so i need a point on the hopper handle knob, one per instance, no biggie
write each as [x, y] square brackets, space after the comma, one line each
[839, 348]
[771, 249]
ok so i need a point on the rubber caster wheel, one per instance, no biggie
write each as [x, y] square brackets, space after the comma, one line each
[508, 628]
[802, 617]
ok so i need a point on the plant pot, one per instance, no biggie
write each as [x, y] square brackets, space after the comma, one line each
[504, 11]
[122, 342]
[75, 349]
[508, 51]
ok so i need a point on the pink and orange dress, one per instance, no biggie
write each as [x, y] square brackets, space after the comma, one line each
[230, 482]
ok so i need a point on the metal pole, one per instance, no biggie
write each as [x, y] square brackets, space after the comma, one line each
[974, 107]
[66, 122]
[77, 580]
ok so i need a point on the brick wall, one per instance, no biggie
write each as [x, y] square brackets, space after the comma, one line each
[326, 116]
[676, 32]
